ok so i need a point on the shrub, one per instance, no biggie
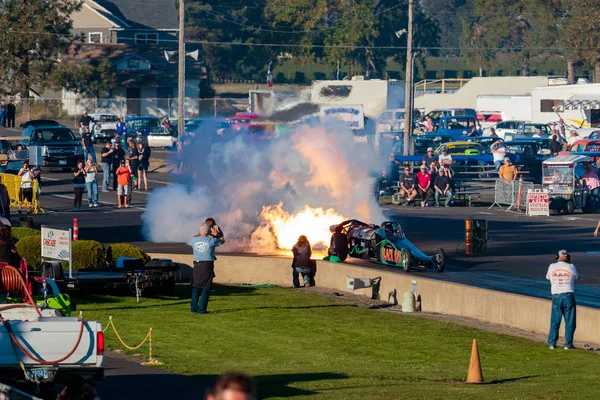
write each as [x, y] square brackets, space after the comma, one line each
[127, 250]
[19, 233]
[30, 248]
[88, 254]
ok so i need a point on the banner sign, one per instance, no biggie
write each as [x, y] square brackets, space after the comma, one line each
[353, 115]
[538, 203]
[56, 244]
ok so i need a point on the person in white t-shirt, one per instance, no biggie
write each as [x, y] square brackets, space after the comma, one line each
[562, 275]
[498, 152]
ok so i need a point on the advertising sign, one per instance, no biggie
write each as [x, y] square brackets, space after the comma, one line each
[353, 115]
[538, 203]
[56, 244]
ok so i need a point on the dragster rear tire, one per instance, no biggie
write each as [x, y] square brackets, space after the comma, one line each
[440, 260]
[406, 260]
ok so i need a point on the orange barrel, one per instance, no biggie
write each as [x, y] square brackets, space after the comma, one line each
[468, 236]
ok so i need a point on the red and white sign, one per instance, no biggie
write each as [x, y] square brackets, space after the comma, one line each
[538, 203]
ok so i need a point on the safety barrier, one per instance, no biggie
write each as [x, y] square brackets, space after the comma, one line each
[148, 338]
[13, 184]
[512, 194]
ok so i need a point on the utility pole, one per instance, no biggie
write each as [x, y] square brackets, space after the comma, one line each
[181, 72]
[408, 99]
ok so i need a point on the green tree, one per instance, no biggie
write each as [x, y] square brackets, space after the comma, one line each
[91, 80]
[507, 33]
[33, 33]
[447, 15]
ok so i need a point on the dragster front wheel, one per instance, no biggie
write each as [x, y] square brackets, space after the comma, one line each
[406, 259]
[440, 260]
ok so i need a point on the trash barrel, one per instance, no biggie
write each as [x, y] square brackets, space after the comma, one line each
[26, 222]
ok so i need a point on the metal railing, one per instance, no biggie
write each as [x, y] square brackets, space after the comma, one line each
[512, 194]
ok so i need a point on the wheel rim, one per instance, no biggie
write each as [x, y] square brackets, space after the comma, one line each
[405, 263]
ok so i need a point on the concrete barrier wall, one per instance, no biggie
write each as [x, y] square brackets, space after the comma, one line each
[516, 311]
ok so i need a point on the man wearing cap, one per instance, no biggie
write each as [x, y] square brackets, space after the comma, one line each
[498, 152]
[508, 172]
[429, 157]
[407, 186]
[203, 246]
[562, 275]
[424, 186]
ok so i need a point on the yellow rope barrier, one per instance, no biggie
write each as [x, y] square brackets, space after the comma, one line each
[148, 339]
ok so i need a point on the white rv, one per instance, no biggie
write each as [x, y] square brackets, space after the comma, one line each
[578, 105]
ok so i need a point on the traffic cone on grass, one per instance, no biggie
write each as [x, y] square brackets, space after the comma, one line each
[474, 375]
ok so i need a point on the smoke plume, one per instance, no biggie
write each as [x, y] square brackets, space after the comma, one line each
[233, 180]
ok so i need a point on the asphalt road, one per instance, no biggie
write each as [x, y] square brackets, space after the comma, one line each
[516, 261]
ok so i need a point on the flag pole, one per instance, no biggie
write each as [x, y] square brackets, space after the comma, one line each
[181, 72]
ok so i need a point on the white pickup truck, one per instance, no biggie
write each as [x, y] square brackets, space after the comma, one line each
[38, 345]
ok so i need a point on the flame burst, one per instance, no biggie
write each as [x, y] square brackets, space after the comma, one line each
[314, 223]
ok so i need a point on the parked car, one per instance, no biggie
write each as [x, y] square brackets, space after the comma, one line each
[139, 128]
[485, 141]
[39, 122]
[58, 146]
[504, 127]
[103, 126]
[421, 143]
[530, 129]
[458, 126]
[163, 139]
[543, 143]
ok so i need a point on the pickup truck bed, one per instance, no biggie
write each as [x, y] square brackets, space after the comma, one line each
[49, 339]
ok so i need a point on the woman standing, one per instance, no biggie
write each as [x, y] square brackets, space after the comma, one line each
[90, 183]
[143, 165]
[301, 262]
[78, 185]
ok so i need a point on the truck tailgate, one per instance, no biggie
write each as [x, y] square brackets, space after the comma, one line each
[51, 339]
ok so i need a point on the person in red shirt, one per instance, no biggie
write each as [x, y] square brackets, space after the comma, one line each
[123, 179]
[424, 185]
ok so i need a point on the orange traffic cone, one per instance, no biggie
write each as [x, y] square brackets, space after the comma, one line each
[475, 375]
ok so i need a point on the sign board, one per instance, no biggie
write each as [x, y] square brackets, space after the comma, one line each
[353, 115]
[56, 244]
[538, 203]
[414, 288]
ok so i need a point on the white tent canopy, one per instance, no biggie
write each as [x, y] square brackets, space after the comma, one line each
[580, 102]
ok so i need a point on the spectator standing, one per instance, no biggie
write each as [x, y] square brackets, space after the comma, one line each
[493, 132]
[424, 186]
[232, 386]
[166, 124]
[562, 275]
[407, 187]
[508, 172]
[83, 121]
[124, 179]
[301, 262]
[429, 157]
[3, 113]
[555, 146]
[88, 145]
[132, 157]
[120, 128]
[572, 139]
[204, 266]
[445, 158]
[106, 161]
[143, 165]
[442, 188]
[498, 152]
[11, 113]
[118, 156]
[78, 185]
[91, 184]
[26, 189]
[590, 181]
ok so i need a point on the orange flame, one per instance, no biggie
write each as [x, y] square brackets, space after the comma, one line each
[314, 223]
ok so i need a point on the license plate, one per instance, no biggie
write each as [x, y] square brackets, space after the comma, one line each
[62, 162]
[40, 374]
[70, 285]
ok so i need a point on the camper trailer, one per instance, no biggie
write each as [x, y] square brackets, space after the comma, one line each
[578, 105]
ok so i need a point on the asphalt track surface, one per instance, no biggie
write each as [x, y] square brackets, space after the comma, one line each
[520, 250]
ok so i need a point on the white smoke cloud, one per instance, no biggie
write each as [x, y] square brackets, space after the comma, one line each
[323, 166]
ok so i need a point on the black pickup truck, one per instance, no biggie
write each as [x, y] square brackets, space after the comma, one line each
[59, 147]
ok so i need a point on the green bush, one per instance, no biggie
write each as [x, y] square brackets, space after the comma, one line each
[88, 254]
[19, 233]
[127, 250]
[30, 248]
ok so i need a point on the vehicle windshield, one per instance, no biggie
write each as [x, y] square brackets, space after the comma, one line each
[53, 135]
[558, 178]
[144, 125]
[462, 149]
[527, 149]
[458, 123]
[105, 118]
[530, 130]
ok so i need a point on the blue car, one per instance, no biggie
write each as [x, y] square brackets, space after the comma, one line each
[458, 126]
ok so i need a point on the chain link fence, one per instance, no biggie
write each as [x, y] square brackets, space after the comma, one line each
[512, 194]
[68, 110]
